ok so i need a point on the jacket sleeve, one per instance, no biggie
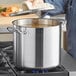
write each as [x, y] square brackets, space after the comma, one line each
[59, 7]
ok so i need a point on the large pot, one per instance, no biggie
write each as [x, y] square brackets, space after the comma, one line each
[37, 43]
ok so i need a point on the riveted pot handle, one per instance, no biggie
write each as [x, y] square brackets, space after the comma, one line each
[12, 29]
[63, 22]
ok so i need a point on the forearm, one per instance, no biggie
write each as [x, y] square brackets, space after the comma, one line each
[59, 7]
[53, 12]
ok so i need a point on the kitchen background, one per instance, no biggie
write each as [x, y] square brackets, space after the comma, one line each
[10, 1]
[8, 37]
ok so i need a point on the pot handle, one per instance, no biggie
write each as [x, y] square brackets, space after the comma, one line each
[12, 29]
[63, 22]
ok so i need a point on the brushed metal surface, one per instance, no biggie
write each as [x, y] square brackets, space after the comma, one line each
[40, 46]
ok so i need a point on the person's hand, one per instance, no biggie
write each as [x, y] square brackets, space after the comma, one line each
[34, 2]
[30, 0]
[37, 2]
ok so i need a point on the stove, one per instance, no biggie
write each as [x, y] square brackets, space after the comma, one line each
[7, 67]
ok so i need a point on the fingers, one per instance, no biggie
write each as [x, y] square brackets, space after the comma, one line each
[31, 0]
[37, 2]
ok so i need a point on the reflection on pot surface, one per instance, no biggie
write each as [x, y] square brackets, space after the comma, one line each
[37, 43]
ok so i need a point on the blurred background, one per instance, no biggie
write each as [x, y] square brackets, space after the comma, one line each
[10, 1]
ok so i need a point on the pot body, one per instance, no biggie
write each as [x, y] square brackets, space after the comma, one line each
[37, 47]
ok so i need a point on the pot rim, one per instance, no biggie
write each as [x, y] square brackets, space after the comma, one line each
[38, 22]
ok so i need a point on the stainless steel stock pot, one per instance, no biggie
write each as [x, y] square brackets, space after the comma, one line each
[37, 42]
